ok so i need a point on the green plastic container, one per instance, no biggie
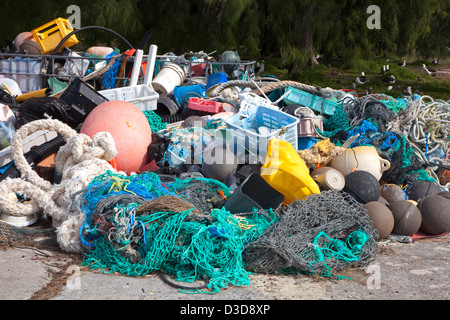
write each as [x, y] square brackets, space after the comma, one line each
[316, 103]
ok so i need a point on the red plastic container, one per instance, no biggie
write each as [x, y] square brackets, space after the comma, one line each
[200, 104]
[198, 69]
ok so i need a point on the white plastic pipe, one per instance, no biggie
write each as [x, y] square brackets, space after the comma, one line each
[136, 67]
[150, 64]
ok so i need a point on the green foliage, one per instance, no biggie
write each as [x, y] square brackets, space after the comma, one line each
[293, 30]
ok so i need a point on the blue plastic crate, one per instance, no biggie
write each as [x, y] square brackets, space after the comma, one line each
[316, 103]
[255, 127]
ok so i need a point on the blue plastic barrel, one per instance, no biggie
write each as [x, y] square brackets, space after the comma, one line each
[183, 93]
[216, 78]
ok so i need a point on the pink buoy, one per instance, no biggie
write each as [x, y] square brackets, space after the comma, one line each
[21, 37]
[129, 128]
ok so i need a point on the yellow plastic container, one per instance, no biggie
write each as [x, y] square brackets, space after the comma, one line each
[287, 173]
[49, 35]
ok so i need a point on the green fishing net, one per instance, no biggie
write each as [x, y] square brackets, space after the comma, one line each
[155, 121]
[181, 243]
[321, 234]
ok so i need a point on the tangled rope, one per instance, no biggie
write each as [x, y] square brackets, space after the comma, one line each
[78, 162]
[430, 125]
[322, 92]
[365, 108]
[233, 83]
[320, 153]
[268, 86]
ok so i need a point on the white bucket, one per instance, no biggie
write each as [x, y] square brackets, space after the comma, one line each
[170, 76]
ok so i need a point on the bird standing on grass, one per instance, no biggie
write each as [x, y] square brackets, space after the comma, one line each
[429, 71]
[362, 79]
[408, 91]
[424, 67]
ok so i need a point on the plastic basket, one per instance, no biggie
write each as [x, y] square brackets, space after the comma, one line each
[255, 127]
[49, 35]
[316, 103]
[142, 96]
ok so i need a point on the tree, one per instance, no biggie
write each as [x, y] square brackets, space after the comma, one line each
[19, 16]
[121, 16]
[414, 22]
[436, 43]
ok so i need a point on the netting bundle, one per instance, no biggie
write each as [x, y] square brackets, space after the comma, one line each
[406, 166]
[325, 232]
[205, 194]
[146, 185]
[138, 231]
[108, 79]
[368, 108]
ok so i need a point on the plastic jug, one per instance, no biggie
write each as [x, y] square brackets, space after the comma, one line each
[364, 158]
[287, 173]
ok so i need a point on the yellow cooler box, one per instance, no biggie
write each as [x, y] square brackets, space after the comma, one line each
[49, 35]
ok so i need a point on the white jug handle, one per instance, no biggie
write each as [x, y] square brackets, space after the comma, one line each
[385, 164]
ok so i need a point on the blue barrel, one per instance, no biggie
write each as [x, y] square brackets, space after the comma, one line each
[216, 78]
[183, 93]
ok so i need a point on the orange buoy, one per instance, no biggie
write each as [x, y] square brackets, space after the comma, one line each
[129, 128]
[99, 51]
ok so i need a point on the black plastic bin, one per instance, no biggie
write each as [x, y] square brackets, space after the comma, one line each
[253, 192]
[82, 99]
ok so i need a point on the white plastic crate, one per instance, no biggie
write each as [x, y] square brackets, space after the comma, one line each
[25, 71]
[142, 96]
[252, 129]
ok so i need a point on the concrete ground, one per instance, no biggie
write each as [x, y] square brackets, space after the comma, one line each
[401, 271]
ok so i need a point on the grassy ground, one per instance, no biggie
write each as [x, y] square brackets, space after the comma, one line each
[437, 87]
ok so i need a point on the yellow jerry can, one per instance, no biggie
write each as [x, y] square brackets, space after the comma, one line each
[287, 173]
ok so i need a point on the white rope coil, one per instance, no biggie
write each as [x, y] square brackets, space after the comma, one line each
[78, 161]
